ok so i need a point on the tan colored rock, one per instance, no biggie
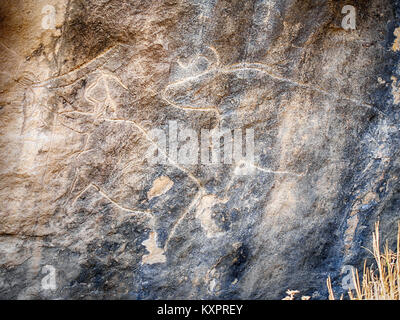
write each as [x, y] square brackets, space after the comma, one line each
[160, 186]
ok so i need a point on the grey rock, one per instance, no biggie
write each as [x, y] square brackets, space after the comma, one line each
[77, 106]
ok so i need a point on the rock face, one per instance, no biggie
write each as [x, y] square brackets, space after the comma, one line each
[86, 212]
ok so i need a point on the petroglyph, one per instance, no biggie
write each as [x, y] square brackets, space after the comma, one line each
[80, 72]
[194, 80]
[114, 202]
[105, 108]
[193, 70]
[99, 95]
[202, 68]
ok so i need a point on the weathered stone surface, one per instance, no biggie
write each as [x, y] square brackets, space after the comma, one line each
[78, 103]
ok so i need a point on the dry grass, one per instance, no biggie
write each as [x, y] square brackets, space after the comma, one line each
[290, 295]
[381, 282]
